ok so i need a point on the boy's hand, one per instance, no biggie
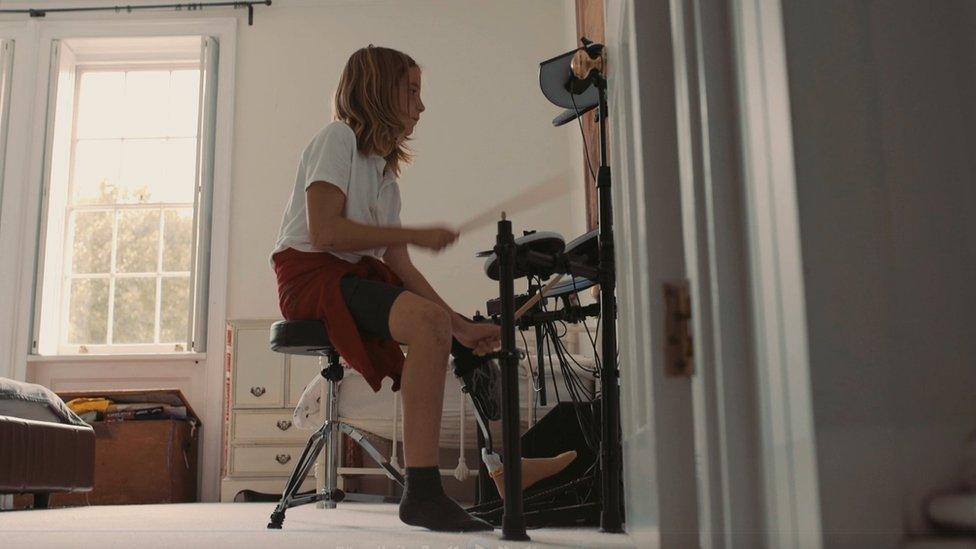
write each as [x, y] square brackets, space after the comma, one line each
[435, 239]
[484, 338]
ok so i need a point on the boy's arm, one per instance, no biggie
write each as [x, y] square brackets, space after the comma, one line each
[329, 230]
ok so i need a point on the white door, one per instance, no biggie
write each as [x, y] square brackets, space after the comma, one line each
[656, 411]
[700, 139]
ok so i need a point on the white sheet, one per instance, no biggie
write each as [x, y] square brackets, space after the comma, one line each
[36, 402]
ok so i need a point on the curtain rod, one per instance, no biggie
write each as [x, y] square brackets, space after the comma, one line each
[189, 6]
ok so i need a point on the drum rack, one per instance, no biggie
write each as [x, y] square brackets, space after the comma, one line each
[513, 262]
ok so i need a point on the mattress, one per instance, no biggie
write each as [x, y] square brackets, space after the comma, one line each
[34, 402]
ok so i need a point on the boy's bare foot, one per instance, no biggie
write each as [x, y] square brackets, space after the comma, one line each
[534, 470]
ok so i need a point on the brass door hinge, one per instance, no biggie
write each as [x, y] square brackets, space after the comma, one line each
[679, 359]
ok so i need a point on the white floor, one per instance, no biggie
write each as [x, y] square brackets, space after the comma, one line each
[243, 525]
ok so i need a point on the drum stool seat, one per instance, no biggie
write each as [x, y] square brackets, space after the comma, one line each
[300, 337]
[310, 338]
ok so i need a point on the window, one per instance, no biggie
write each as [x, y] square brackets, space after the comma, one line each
[6, 68]
[130, 208]
[125, 213]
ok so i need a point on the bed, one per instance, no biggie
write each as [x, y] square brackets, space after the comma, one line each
[44, 446]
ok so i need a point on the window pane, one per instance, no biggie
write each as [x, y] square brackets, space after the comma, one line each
[158, 170]
[96, 175]
[144, 166]
[88, 311]
[138, 237]
[99, 99]
[146, 103]
[135, 310]
[184, 99]
[92, 245]
[181, 177]
[177, 229]
[174, 309]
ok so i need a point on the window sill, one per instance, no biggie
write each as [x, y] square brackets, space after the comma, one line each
[153, 357]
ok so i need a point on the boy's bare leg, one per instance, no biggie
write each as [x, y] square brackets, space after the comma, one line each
[426, 328]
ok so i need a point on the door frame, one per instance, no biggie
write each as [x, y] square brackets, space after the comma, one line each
[750, 397]
[660, 487]
[789, 457]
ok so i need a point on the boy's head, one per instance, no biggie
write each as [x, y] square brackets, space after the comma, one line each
[379, 97]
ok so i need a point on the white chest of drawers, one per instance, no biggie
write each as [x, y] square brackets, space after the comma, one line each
[261, 388]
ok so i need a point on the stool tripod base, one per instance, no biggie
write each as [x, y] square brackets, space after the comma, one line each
[331, 496]
[331, 499]
[309, 338]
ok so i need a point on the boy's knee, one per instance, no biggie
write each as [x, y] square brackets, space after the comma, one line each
[440, 328]
[435, 325]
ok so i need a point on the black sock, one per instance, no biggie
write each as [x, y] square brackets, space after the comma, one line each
[424, 503]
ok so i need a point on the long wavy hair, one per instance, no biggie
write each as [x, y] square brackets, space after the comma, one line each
[368, 100]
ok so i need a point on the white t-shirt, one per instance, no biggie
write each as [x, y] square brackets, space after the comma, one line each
[372, 197]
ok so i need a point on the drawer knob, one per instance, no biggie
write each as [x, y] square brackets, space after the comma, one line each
[258, 391]
[284, 424]
[283, 458]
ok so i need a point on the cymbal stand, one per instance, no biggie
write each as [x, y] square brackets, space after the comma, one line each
[513, 521]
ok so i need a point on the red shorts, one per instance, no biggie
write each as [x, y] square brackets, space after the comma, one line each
[309, 287]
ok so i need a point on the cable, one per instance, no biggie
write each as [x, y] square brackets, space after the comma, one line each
[589, 167]
[593, 371]
[581, 393]
[586, 150]
[577, 391]
[536, 387]
[589, 335]
[552, 370]
[593, 338]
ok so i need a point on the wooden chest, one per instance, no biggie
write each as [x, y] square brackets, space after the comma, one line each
[142, 461]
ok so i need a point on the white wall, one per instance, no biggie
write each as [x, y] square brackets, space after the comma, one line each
[884, 133]
[486, 134]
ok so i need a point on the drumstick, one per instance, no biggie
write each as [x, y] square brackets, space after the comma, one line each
[529, 198]
[535, 299]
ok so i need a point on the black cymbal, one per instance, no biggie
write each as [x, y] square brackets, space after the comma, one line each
[542, 242]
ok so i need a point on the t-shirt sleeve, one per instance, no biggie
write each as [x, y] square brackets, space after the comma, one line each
[394, 215]
[329, 157]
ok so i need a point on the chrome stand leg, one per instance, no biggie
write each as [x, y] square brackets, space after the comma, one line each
[304, 464]
[332, 448]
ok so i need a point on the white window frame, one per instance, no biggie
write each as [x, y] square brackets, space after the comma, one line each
[65, 69]
[68, 349]
[63, 347]
[21, 206]
[6, 76]
[12, 217]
